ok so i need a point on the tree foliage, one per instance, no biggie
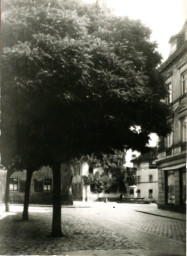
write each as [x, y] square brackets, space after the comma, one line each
[80, 78]
[114, 177]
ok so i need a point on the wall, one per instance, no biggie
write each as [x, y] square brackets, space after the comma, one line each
[145, 185]
[44, 197]
[3, 174]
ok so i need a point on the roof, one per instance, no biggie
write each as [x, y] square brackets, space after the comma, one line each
[181, 49]
[147, 156]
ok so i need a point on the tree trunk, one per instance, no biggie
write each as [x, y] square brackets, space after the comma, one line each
[56, 221]
[27, 194]
[7, 193]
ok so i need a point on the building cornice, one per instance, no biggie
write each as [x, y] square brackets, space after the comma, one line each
[170, 159]
[173, 58]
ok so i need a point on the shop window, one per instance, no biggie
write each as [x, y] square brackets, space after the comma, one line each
[184, 82]
[183, 187]
[13, 184]
[150, 193]
[138, 193]
[170, 187]
[22, 186]
[47, 184]
[38, 185]
[150, 178]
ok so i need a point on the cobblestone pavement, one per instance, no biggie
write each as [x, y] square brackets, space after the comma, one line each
[83, 230]
[130, 215]
[33, 237]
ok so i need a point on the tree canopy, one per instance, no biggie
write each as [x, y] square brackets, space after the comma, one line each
[78, 79]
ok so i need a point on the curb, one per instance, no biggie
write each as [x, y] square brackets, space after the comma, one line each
[159, 215]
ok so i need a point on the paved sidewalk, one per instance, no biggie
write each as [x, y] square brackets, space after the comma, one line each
[152, 209]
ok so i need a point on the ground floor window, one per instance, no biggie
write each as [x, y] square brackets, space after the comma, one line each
[183, 186]
[13, 184]
[131, 191]
[138, 193]
[47, 184]
[150, 193]
[170, 187]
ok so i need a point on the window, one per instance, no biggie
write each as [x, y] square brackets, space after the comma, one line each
[131, 191]
[13, 184]
[38, 185]
[150, 193]
[183, 123]
[47, 185]
[138, 179]
[150, 178]
[184, 187]
[170, 187]
[138, 193]
[184, 82]
[169, 140]
[170, 95]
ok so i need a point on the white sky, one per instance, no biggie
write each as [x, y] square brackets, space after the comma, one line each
[164, 17]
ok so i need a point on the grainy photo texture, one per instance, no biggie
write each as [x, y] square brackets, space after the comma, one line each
[93, 127]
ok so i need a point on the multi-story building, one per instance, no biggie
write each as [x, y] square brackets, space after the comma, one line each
[146, 176]
[172, 152]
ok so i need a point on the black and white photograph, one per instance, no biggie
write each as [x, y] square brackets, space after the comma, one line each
[93, 127]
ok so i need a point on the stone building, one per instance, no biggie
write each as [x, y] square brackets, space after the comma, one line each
[172, 152]
[146, 176]
[41, 185]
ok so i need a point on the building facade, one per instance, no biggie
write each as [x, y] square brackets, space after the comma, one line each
[41, 185]
[172, 151]
[146, 177]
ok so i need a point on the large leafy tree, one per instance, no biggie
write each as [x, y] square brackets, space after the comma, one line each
[114, 177]
[87, 79]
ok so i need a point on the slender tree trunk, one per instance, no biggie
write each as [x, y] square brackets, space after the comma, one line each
[56, 220]
[27, 194]
[7, 193]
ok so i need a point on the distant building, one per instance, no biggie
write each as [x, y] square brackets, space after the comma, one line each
[73, 186]
[146, 176]
[172, 152]
[41, 185]
[3, 174]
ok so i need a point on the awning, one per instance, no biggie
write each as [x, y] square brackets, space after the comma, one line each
[175, 167]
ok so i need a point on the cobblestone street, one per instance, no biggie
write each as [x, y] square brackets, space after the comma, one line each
[86, 229]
